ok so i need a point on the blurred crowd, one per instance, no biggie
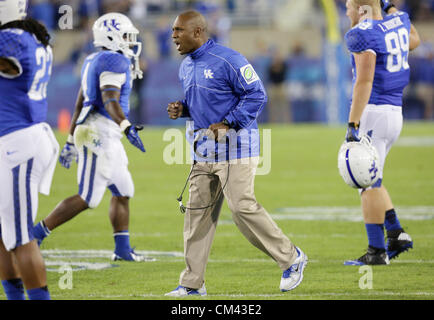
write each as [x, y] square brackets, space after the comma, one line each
[47, 10]
[277, 69]
[419, 10]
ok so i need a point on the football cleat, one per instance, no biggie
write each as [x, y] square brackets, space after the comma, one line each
[397, 244]
[181, 291]
[373, 256]
[130, 256]
[293, 276]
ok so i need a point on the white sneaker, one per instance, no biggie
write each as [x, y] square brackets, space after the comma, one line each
[181, 291]
[293, 276]
[131, 256]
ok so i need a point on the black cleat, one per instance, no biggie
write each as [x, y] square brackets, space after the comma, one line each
[374, 256]
[398, 242]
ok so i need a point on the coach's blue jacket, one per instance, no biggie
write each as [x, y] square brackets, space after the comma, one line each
[219, 83]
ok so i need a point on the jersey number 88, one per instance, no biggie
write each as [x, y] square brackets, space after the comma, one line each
[398, 47]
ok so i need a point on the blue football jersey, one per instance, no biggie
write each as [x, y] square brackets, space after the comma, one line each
[389, 39]
[23, 98]
[93, 66]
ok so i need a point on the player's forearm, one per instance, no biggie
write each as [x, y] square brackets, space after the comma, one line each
[110, 97]
[361, 94]
[115, 111]
[414, 38]
[78, 107]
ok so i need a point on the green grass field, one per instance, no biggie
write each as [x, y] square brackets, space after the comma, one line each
[303, 192]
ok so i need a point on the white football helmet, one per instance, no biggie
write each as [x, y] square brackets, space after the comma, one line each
[11, 10]
[358, 163]
[116, 32]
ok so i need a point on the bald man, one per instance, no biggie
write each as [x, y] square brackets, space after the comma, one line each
[223, 99]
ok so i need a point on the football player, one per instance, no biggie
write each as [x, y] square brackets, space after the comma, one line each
[380, 46]
[28, 148]
[99, 121]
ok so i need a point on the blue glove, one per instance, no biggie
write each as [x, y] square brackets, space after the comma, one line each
[133, 137]
[386, 5]
[352, 132]
[69, 153]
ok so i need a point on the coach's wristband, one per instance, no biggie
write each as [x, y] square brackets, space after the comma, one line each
[70, 139]
[124, 124]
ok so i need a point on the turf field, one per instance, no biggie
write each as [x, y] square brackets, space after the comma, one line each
[303, 192]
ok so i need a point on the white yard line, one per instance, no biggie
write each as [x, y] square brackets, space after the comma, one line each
[79, 259]
[343, 213]
[423, 141]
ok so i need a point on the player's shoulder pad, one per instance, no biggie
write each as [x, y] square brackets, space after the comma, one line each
[110, 61]
[13, 42]
[360, 37]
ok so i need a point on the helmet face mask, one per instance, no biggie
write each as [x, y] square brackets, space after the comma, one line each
[358, 163]
[11, 10]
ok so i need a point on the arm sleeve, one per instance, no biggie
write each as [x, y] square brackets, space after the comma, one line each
[185, 109]
[359, 40]
[250, 90]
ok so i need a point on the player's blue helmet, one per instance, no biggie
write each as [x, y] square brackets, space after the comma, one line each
[11, 10]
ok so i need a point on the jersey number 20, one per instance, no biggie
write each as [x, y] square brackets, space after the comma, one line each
[397, 44]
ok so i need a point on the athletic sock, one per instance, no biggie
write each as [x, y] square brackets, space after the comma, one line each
[375, 235]
[122, 241]
[40, 231]
[391, 221]
[38, 294]
[14, 289]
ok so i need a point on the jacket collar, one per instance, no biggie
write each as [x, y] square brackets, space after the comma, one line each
[202, 49]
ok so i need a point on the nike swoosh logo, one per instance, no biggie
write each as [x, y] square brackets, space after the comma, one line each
[10, 152]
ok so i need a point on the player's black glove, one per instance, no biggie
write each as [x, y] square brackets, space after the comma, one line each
[352, 132]
[386, 5]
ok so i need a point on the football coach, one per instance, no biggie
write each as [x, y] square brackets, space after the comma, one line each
[223, 99]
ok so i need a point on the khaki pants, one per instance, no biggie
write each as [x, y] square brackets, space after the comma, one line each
[250, 217]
